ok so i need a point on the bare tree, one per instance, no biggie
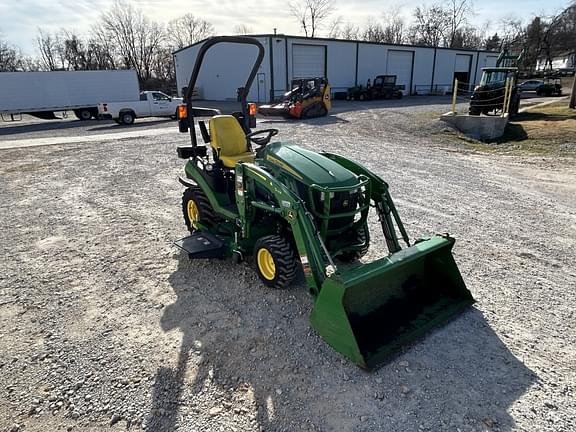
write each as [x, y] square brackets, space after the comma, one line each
[350, 32]
[243, 29]
[311, 14]
[46, 44]
[188, 30]
[394, 27]
[72, 50]
[101, 52]
[458, 13]
[373, 31]
[11, 59]
[468, 37]
[493, 43]
[136, 37]
[334, 28]
[431, 25]
[163, 72]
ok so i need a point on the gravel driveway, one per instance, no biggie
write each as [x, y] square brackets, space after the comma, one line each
[104, 325]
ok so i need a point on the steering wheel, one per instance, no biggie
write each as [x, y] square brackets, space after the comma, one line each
[262, 141]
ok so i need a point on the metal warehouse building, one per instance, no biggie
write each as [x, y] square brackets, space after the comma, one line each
[423, 70]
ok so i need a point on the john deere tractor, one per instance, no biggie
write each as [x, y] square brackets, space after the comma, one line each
[295, 211]
[491, 94]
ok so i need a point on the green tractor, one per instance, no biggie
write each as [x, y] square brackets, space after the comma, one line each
[490, 95]
[296, 211]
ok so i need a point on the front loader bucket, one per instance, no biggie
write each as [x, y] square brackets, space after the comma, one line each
[369, 312]
[274, 110]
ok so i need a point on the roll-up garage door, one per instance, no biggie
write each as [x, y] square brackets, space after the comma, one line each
[462, 63]
[462, 69]
[308, 61]
[400, 64]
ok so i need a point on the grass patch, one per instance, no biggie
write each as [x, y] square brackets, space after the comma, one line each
[546, 130]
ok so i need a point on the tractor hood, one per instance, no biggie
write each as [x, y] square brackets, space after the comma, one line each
[307, 166]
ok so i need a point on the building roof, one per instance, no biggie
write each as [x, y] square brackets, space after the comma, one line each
[285, 36]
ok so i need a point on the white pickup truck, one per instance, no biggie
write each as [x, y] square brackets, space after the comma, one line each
[151, 104]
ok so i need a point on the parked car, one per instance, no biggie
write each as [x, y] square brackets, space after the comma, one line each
[550, 87]
[151, 104]
[530, 85]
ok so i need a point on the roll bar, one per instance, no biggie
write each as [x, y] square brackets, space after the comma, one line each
[242, 91]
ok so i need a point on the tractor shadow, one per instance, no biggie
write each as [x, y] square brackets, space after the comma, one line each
[241, 342]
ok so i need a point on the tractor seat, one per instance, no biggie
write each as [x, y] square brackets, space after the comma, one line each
[229, 140]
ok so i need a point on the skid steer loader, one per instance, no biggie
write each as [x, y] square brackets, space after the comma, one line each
[308, 98]
[292, 208]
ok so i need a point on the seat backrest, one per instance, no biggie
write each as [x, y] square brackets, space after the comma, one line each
[227, 135]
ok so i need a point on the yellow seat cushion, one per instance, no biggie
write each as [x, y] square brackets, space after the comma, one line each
[230, 161]
[229, 139]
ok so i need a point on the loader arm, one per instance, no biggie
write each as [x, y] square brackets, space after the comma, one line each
[315, 259]
[387, 213]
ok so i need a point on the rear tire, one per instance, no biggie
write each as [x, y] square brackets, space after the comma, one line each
[196, 209]
[83, 114]
[275, 260]
[127, 118]
[514, 105]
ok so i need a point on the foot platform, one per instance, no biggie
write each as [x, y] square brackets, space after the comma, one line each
[201, 245]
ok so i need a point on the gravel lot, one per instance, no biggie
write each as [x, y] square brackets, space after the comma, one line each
[104, 325]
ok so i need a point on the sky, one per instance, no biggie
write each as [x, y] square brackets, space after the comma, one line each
[20, 19]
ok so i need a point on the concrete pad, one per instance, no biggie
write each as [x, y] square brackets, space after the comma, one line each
[483, 128]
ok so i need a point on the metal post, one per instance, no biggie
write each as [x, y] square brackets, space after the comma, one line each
[505, 101]
[510, 88]
[573, 95]
[454, 95]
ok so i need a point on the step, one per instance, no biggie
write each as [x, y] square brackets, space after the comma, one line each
[202, 245]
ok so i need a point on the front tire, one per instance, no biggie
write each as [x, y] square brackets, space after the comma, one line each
[362, 236]
[474, 111]
[275, 260]
[196, 209]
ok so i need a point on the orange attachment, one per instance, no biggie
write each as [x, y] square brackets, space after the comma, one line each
[296, 110]
[252, 109]
[182, 112]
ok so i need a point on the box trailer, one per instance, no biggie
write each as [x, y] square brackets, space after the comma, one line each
[41, 94]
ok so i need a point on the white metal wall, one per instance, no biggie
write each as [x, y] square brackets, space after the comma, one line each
[371, 62]
[417, 67]
[279, 46]
[226, 67]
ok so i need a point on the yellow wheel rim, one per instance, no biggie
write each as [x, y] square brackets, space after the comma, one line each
[266, 264]
[193, 213]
